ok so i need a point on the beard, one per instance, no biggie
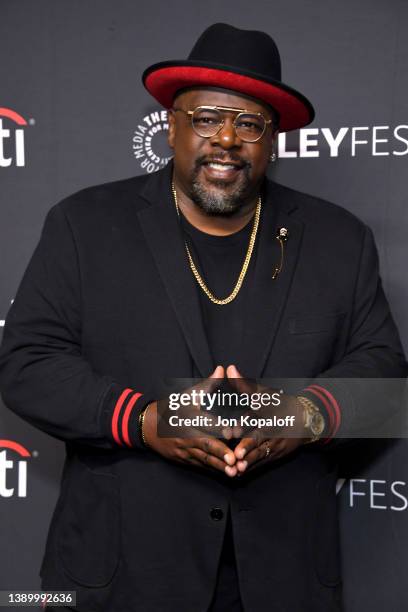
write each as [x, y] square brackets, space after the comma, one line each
[221, 198]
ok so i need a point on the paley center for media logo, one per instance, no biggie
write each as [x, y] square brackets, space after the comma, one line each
[149, 141]
[12, 143]
[13, 469]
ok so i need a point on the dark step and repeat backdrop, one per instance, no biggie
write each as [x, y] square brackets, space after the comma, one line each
[73, 113]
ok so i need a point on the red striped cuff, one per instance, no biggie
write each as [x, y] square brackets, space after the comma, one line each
[121, 416]
[326, 401]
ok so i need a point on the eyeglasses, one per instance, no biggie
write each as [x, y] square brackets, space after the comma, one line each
[207, 121]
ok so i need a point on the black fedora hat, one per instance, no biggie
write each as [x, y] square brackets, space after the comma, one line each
[246, 61]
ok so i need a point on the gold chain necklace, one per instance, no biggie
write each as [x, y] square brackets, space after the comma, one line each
[244, 269]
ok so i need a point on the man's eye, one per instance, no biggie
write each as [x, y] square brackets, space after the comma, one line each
[248, 125]
[205, 120]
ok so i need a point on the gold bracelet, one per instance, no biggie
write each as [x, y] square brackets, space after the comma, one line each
[141, 423]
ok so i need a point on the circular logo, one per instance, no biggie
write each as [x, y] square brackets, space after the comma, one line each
[149, 142]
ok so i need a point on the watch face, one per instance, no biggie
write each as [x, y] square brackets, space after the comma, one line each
[317, 424]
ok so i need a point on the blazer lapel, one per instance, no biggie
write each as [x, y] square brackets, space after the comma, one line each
[267, 297]
[161, 228]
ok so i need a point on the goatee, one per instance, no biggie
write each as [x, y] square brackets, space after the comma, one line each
[217, 200]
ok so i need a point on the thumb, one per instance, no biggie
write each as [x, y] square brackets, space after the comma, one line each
[218, 372]
[214, 381]
[232, 372]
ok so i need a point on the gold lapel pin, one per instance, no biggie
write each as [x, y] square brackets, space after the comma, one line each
[282, 237]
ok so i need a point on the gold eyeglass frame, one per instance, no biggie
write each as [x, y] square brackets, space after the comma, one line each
[240, 112]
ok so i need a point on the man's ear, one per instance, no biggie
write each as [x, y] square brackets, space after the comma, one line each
[171, 136]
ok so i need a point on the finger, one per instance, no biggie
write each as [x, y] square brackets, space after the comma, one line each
[242, 466]
[217, 448]
[231, 471]
[261, 455]
[232, 372]
[245, 430]
[210, 461]
[188, 458]
[237, 381]
[227, 433]
[244, 446]
[192, 460]
[237, 431]
[202, 460]
[218, 372]
[258, 454]
[253, 456]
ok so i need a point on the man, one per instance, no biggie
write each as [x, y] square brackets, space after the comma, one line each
[203, 270]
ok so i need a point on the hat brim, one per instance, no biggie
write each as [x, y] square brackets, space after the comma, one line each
[163, 80]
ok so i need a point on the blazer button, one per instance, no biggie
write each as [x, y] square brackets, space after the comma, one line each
[216, 514]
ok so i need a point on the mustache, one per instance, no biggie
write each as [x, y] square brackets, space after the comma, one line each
[224, 157]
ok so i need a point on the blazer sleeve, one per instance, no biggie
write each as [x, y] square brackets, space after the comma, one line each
[43, 375]
[367, 386]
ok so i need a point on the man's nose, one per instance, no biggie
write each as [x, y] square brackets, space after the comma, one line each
[227, 136]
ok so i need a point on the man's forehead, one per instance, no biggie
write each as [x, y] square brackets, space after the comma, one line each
[220, 97]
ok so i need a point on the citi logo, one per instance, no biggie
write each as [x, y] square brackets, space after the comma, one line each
[12, 146]
[13, 472]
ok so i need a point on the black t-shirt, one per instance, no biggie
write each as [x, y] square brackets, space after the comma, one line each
[219, 260]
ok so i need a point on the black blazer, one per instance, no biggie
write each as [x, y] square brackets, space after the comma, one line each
[108, 303]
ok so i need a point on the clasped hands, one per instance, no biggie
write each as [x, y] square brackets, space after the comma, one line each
[202, 448]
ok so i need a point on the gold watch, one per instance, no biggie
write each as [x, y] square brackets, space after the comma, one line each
[313, 420]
